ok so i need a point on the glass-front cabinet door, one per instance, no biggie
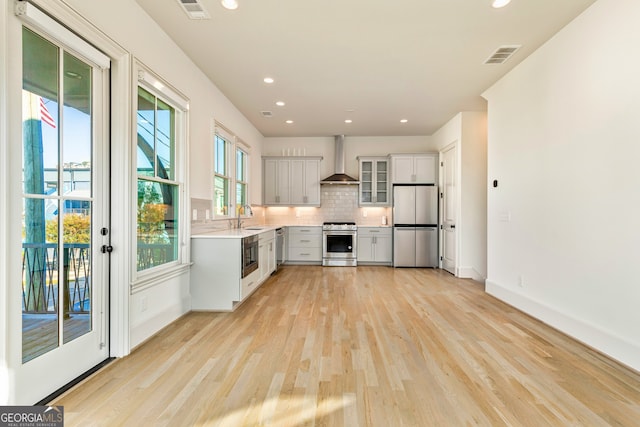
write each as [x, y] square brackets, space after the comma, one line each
[374, 181]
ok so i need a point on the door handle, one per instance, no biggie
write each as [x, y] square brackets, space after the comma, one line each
[453, 226]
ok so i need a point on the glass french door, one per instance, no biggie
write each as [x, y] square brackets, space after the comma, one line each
[64, 214]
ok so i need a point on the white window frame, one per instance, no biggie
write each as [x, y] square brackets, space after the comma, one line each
[155, 85]
[234, 144]
[229, 144]
[245, 181]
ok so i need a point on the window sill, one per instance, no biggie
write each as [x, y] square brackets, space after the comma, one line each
[153, 278]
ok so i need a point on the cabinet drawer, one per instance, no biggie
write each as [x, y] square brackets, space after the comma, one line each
[305, 231]
[305, 241]
[267, 235]
[305, 254]
[375, 231]
[249, 284]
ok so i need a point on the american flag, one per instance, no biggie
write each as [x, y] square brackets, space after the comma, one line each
[45, 116]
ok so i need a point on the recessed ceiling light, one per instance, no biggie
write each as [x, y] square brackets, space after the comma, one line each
[348, 121]
[289, 122]
[500, 3]
[229, 4]
[280, 103]
[404, 121]
[268, 80]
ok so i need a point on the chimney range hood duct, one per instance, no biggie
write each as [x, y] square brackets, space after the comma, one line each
[339, 177]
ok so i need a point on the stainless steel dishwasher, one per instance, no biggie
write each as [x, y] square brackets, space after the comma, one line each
[280, 245]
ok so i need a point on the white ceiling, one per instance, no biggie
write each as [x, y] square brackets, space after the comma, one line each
[372, 61]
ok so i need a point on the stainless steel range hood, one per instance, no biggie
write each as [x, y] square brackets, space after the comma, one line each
[339, 177]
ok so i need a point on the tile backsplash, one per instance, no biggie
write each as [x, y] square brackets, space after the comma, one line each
[337, 203]
[202, 214]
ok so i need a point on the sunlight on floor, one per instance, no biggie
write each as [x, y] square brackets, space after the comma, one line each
[291, 412]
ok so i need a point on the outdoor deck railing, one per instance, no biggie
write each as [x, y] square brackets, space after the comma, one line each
[41, 281]
[153, 254]
[41, 277]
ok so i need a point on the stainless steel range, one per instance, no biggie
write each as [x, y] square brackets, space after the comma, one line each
[339, 244]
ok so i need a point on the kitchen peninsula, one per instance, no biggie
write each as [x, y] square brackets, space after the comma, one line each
[229, 265]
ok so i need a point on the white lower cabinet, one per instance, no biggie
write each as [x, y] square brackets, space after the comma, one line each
[216, 274]
[304, 245]
[375, 245]
[266, 254]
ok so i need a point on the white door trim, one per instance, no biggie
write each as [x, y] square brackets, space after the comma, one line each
[121, 209]
[458, 223]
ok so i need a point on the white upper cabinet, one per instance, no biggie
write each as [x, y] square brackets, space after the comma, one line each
[305, 182]
[374, 181]
[293, 181]
[414, 168]
[276, 189]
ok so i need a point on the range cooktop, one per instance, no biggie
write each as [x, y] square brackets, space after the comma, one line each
[339, 225]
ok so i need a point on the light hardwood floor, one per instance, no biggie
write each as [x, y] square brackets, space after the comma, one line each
[364, 346]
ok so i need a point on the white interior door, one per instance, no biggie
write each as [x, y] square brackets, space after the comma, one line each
[449, 208]
[63, 319]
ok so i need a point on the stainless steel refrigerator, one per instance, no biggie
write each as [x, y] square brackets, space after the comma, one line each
[415, 226]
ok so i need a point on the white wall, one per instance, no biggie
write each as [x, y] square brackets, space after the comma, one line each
[473, 207]
[128, 24]
[354, 146]
[564, 222]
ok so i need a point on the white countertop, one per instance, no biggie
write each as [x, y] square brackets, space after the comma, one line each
[235, 233]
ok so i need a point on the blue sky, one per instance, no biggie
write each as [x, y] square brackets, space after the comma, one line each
[77, 136]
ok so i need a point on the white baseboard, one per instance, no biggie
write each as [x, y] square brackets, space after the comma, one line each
[470, 273]
[593, 336]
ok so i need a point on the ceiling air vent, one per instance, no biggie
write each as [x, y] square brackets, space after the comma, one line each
[194, 9]
[501, 54]
[266, 113]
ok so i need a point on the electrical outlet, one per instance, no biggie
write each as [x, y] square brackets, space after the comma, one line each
[504, 216]
[297, 213]
[364, 213]
[143, 304]
[195, 214]
[207, 214]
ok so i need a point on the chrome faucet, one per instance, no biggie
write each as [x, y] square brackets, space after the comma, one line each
[247, 210]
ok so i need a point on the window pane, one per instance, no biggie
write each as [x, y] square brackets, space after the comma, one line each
[157, 224]
[146, 133]
[39, 277]
[76, 271]
[40, 155]
[165, 116]
[221, 195]
[77, 130]
[241, 197]
[240, 165]
[220, 156]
